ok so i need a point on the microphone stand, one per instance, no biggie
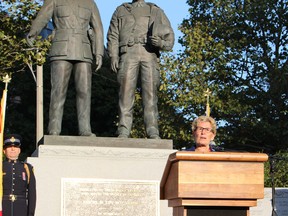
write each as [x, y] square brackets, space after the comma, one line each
[272, 172]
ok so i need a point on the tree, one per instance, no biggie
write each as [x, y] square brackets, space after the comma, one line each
[16, 16]
[237, 49]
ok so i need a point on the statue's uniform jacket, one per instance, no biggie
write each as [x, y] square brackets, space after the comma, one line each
[123, 23]
[71, 20]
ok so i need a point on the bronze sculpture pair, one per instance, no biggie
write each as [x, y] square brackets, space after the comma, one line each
[137, 33]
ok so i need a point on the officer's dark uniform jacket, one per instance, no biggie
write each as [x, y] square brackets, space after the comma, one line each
[123, 23]
[71, 20]
[19, 189]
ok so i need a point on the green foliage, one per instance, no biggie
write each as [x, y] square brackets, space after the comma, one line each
[15, 54]
[172, 123]
[237, 49]
[276, 170]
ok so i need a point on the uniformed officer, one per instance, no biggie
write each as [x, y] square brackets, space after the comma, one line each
[71, 52]
[137, 32]
[19, 184]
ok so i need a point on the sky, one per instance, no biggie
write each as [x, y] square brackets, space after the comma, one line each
[176, 11]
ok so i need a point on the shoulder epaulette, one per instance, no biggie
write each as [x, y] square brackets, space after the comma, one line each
[127, 5]
[26, 167]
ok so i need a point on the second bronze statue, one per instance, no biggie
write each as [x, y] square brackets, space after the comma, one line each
[138, 32]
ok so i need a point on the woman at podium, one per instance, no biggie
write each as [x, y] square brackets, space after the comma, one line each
[204, 132]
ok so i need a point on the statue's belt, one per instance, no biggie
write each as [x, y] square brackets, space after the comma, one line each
[72, 31]
[136, 40]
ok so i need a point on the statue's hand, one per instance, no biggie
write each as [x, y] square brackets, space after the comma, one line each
[30, 40]
[115, 64]
[156, 41]
[98, 62]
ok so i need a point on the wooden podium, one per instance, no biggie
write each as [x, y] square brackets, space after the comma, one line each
[214, 183]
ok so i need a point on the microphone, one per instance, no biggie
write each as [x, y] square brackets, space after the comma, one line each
[215, 147]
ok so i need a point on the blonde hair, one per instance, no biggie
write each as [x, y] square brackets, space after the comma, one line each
[204, 119]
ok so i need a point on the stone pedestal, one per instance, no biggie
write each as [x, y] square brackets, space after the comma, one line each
[93, 173]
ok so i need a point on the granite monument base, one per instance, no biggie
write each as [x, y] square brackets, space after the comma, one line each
[87, 176]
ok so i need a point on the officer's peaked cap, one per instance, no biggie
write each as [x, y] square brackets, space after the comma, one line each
[12, 140]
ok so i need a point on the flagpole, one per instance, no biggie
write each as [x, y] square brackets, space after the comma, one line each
[6, 80]
[39, 106]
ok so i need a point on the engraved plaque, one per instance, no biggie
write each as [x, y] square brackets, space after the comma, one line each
[281, 201]
[95, 197]
[264, 206]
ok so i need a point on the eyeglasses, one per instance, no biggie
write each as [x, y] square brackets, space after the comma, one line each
[202, 129]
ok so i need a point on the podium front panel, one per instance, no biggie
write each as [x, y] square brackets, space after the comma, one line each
[215, 180]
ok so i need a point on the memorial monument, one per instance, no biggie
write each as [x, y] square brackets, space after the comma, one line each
[90, 175]
[71, 51]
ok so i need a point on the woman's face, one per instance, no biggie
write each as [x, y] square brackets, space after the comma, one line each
[203, 134]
